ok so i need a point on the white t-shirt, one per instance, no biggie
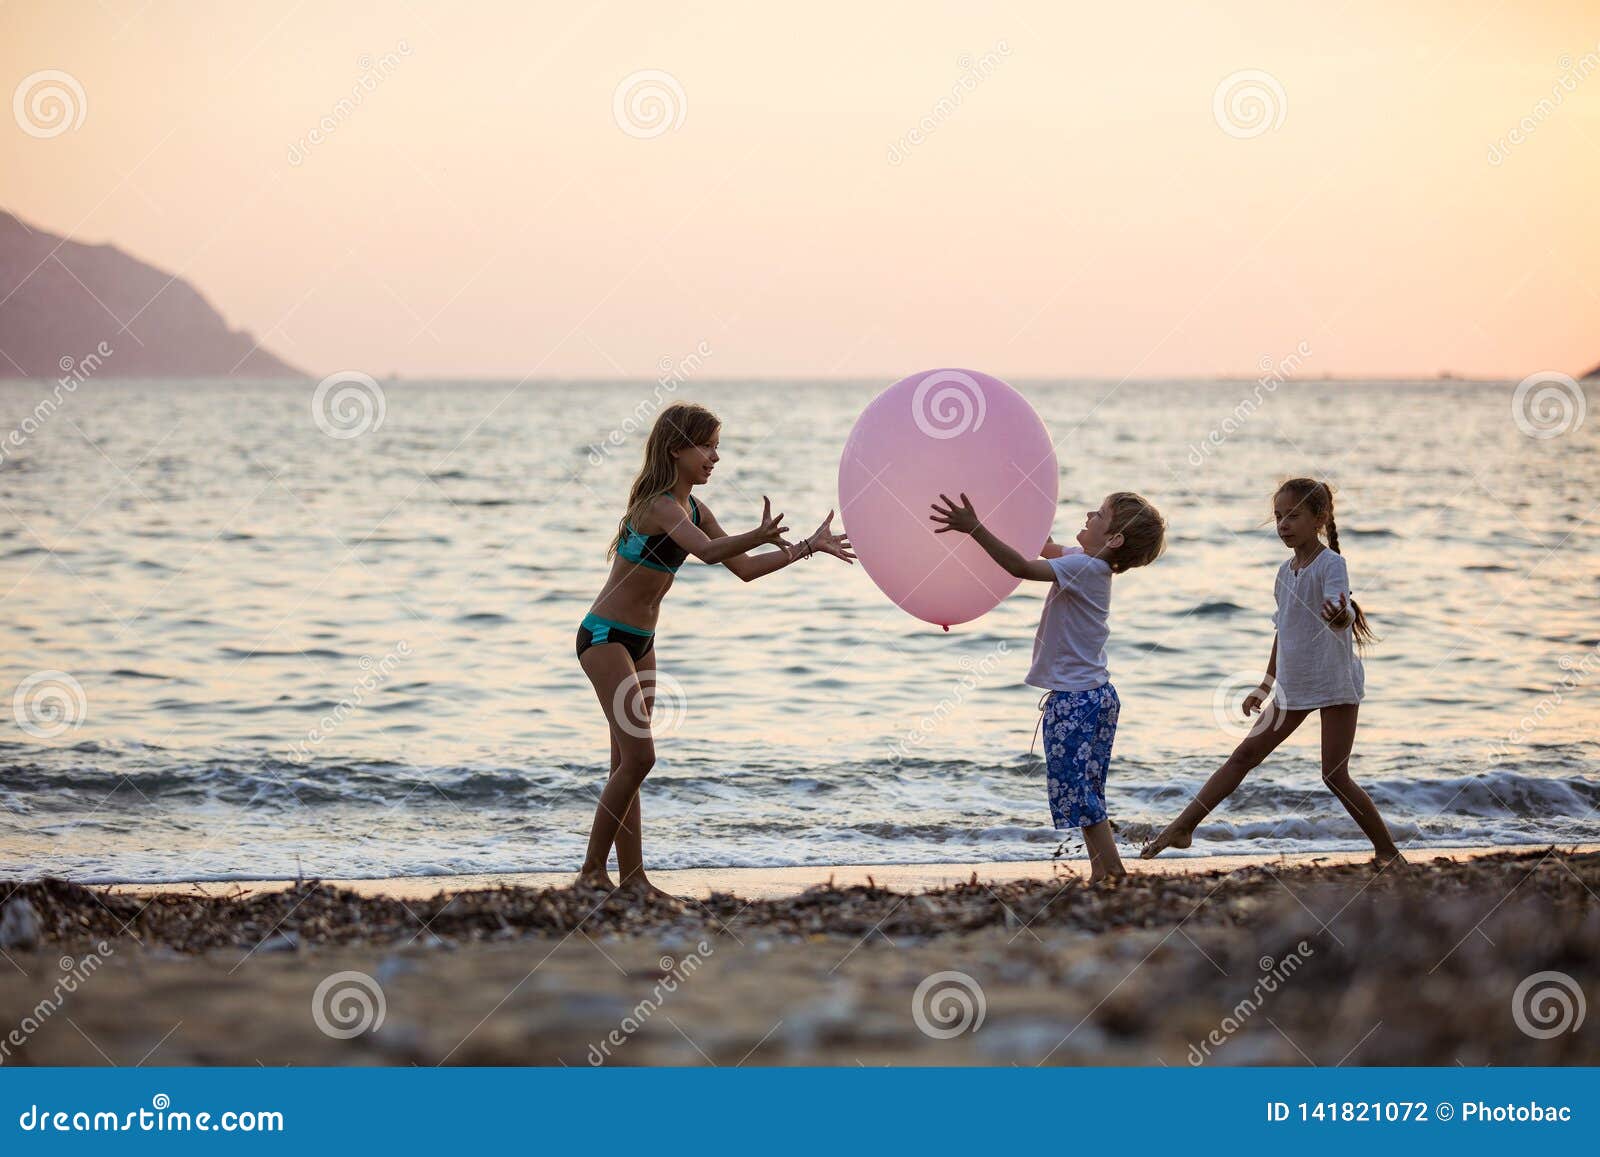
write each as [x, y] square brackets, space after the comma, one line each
[1069, 648]
[1317, 664]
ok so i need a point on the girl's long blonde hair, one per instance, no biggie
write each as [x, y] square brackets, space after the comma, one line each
[1317, 497]
[679, 426]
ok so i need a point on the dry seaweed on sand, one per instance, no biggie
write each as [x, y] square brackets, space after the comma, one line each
[320, 914]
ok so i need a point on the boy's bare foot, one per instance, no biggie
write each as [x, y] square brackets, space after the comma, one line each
[1390, 861]
[1171, 837]
[1102, 877]
[596, 878]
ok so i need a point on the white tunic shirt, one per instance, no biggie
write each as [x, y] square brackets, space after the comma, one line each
[1317, 664]
[1069, 648]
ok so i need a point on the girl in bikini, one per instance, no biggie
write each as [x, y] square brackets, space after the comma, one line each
[616, 641]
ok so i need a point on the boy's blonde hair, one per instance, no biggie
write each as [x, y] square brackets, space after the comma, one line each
[1143, 530]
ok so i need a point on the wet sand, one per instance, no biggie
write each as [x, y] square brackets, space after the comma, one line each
[1463, 959]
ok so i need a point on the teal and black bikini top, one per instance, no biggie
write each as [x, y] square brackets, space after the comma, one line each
[657, 551]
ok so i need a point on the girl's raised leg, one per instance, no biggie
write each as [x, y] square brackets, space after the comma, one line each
[1338, 738]
[1271, 729]
[616, 684]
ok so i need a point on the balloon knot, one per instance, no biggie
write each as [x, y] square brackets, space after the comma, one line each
[946, 627]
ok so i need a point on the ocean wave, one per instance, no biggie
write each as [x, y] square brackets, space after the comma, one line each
[1217, 607]
[53, 779]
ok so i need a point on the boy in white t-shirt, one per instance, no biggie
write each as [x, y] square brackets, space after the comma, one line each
[1069, 652]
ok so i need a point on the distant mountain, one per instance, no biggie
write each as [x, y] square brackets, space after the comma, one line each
[62, 299]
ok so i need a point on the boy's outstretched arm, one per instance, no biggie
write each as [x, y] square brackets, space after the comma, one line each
[964, 520]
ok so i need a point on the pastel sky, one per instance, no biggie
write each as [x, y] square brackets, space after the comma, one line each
[1079, 205]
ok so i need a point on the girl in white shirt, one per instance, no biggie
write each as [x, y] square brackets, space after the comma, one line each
[1313, 667]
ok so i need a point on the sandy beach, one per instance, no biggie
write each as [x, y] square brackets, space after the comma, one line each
[1291, 960]
[771, 883]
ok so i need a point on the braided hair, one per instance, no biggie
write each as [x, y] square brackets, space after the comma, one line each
[1317, 497]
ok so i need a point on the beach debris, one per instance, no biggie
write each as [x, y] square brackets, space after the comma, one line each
[20, 927]
[1283, 964]
[317, 913]
[280, 942]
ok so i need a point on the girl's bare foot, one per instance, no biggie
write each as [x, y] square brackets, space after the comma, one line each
[1171, 837]
[1102, 877]
[640, 886]
[594, 878]
[1391, 861]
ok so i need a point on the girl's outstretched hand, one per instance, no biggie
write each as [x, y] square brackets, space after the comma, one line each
[1335, 614]
[959, 518]
[771, 531]
[824, 541]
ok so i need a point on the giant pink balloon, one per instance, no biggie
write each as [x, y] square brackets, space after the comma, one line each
[945, 431]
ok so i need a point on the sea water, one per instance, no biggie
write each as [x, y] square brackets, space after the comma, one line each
[238, 646]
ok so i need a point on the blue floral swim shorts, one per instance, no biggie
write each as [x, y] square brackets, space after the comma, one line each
[1079, 727]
